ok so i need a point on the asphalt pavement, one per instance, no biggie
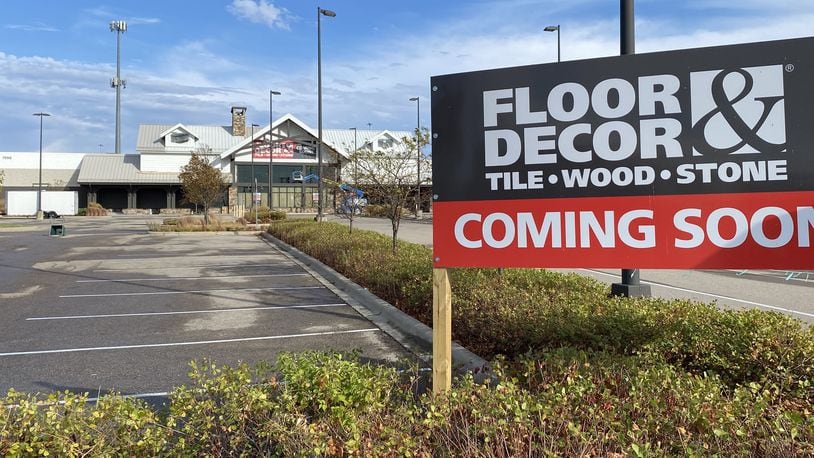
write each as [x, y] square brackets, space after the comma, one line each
[110, 306]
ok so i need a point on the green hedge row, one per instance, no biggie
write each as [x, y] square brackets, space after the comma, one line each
[521, 310]
[560, 403]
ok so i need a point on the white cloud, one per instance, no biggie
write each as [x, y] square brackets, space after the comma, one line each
[260, 12]
[35, 27]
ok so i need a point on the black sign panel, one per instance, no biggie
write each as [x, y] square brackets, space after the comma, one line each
[731, 119]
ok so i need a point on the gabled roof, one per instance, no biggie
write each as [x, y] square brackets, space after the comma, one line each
[174, 128]
[219, 138]
[344, 138]
[264, 131]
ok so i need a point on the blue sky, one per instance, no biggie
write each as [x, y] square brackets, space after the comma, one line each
[190, 60]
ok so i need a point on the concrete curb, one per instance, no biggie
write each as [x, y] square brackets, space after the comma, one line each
[409, 332]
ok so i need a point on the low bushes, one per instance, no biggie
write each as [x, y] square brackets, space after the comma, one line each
[265, 215]
[196, 224]
[380, 211]
[521, 310]
[95, 209]
[556, 403]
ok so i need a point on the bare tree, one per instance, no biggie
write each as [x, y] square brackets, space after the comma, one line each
[352, 197]
[201, 183]
[390, 177]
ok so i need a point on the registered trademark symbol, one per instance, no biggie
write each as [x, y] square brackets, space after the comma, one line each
[789, 67]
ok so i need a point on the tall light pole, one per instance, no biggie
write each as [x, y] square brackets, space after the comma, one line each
[254, 179]
[418, 212]
[119, 27]
[555, 28]
[271, 148]
[39, 181]
[328, 13]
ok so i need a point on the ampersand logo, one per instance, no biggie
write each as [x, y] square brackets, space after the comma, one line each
[738, 111]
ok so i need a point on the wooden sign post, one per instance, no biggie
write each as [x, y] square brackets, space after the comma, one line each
[441, 331]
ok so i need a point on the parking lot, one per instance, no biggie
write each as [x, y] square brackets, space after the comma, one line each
[113, 307]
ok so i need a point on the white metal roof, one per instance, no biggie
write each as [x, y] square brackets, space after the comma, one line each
[118, 169]
[219, 138]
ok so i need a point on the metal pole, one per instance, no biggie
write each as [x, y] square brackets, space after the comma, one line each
[319, 110]
[118, 92]
[631, 285]
[328, 13]
[558, 43]
[272, 93]
[39, 180]
[418, 212]
[254, 179]
[119, 27]
[271, 148]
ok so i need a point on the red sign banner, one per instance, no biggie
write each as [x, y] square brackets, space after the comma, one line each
[711, 231]
[284, 149]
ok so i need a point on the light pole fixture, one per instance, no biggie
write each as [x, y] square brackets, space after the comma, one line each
[417, 100]
[119, 27]
[328, 13]
[100, 148]
[271, 148]
[39, 181]
[555, 28]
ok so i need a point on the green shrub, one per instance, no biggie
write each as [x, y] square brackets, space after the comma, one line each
[65, 424]
[265, 215]
[554, 403]
[518, 310]
[380, 211]
[82, 212]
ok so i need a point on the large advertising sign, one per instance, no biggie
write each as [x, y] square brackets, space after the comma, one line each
[700, 158]
[285, 149]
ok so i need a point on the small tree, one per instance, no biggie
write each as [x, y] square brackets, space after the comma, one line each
[415, 145]
[390, 179]
[352, 199]
[202, 183]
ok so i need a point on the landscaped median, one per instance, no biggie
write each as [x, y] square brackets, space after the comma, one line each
[583, 375]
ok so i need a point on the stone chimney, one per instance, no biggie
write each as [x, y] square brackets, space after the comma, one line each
[239, 121]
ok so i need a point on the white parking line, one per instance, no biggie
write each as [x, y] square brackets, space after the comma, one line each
[190, 278]
[717, 296]
[183, 312]
[181, 344]
[199, 291]
[281, 263]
